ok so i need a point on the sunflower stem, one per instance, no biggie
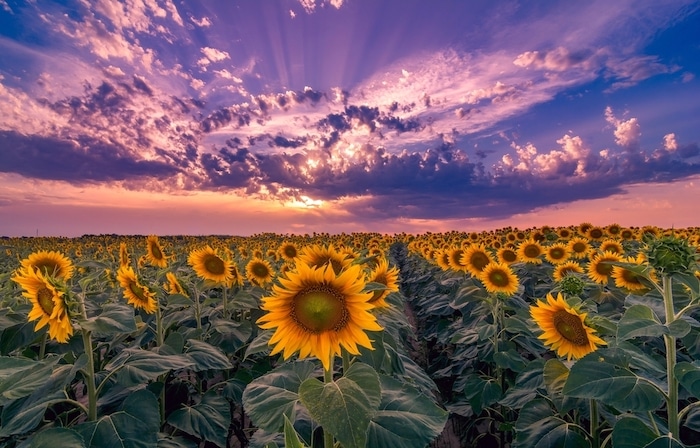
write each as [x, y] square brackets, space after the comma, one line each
[595, 434]
[328, 378]
[225, 299]
[670, 341]
[159, 342]
[197, 314]
[42, 346]
[89, 371]
[346, 361]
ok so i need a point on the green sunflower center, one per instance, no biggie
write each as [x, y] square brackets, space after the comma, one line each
[156, 252]
[137, 291]
[320, 308]
[570, 327]
[48, 267]
[44, 298]
[214, 265]
[499, 278]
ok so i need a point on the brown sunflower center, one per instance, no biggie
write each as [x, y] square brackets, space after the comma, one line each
[630, 277]
[557, 253]
[156, 252]
[137, 290]
[44, 297]
[509, 256]
[260, 270]
[579, 247]
[532, 251]
[596, 233]
[214, 265]
[603, 266]
[479, 260]
[499, 278]
[570, 327]
[290, 251]
[319, 308]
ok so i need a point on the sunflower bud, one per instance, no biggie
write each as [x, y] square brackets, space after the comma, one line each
[671, 255]
[572, 285]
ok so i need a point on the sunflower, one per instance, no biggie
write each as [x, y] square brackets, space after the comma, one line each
[599, 268]
[557, 253]
[563, 269]
[613, 230]
[628, 234]
[136, 294]
[475, 258]
[173, 285]
[564, 328]
[259, 272]
[611, 246]
[455, 259]
[507, 255]
[236, 277]
[154, 252]
[624, 278]
[564, 233]
[498, 278]
[317, 256]
[530, 251]
[595, 233]
[580, 247]
[207, 263]
[51, 263]
[315, 311]
[124, 258]
[388, 277]
[48, 303]
[443, 260]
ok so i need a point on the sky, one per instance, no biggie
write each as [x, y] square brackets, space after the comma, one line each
[238, 117]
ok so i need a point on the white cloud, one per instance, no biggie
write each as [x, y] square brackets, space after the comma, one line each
[204, 22]
[627, 132]
[670, 143]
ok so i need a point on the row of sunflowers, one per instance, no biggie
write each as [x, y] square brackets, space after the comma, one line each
[551, 336]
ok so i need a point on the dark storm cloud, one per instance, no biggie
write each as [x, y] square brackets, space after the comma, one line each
[83, 160]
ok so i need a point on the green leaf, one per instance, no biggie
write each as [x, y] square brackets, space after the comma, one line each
[272, 396]
[665, 442]
[23, 415]
[259, 344]
[689, 376]
[209, 420]
[537, 427]
[679, 328]
[136, 425]
[482, 392]
[631, 433]
[346, 406]
[138, 366]
[114, 318]
[57, 437]
[510, 359]
[23, 378]
[527, 384]
[291, 438]
[405, 418]
[169, 441]
[593, 377]
[639, 320]
[206, 357]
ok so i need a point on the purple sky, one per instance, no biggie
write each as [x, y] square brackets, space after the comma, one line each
[295, 116]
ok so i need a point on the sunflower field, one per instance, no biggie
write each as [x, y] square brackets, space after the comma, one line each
[576, 336]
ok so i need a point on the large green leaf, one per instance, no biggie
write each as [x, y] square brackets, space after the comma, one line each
[689, 376]
[665, 442]
[405, 418]
[272, 396]
[291, 438]
[24, 414]
[208, 420]
[138, 366]
[259, 344]
[537, 427]
[206, 357]
[114, 318]
[346, 406]
[482, 392]
[23, 378]
[57, 437]
[136, 425]
[526, 386]
[630, 432]
[594, 377]
[639, 320]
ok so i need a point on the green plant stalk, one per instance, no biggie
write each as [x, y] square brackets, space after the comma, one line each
[346, 360]
[42, 345]
[197, 313]
[225, 299]
[670, 341]
[595, 433]
[159, 342]
[89, 371]
[328, 378]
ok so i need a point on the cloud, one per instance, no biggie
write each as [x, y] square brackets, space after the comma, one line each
[627, 132]
[670, 143]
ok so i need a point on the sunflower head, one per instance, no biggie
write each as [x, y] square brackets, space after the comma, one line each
[154, 252]
[600, 267]
[134, 292]
[50, 263]
[259, 272]
[498, 278]
[670, 255]
[571, 284]
[317, 256]
[475, 259]
[563, 328]
[530, 251]
[124, 257]
[288, 251]
[48, 298]
[557, 253]
[316, 311]
[208, 265]
[173, 285]
[388, 277]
